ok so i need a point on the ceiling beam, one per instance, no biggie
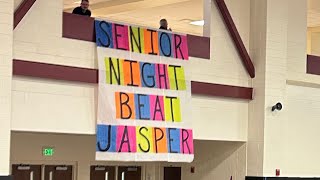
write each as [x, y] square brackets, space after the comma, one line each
[233, 31]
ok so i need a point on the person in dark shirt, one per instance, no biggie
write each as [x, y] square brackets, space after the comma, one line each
[82, 9]
[164, 25]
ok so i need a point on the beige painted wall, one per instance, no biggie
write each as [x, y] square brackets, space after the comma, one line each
[255, 143]
[214, 160]
[6, 51]
[284, 139]
[302, 147]
[291, 142]
[64, 107]
[53, 106]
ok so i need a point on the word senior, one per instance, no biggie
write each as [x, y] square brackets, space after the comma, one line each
[140, 40]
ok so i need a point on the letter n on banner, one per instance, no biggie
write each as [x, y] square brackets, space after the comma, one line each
[114, 70]
[136, 39]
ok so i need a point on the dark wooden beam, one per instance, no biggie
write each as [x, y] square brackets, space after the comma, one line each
[72, 27]
[228, 21]
[199, 46]
[56, 72]
[220, 90]
[313, 64]
[85, 75]
[21, 11]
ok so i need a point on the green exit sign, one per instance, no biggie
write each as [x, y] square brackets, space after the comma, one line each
[48, 151]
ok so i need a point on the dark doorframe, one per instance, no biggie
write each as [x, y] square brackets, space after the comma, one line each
[172, 173]
[129, 173]
[57, 172]
[100, 172]
[26, 172]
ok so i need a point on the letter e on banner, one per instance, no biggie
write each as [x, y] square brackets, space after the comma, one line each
[120, 37]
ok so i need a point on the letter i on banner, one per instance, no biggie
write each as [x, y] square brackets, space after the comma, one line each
[151, 42]
[131, 70]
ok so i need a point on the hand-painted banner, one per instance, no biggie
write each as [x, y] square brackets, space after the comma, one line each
[144, 102]
[141, 40]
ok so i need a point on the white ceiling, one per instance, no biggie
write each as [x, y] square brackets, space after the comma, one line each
[179, 13]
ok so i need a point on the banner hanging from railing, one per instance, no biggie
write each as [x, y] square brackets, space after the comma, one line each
[144, 101]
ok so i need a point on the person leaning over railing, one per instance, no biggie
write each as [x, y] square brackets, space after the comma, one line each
[83, 9]
[164, 25]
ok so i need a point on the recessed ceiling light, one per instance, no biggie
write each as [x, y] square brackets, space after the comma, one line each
[77, 2]
[197, 23]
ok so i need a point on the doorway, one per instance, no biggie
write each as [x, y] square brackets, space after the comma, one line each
[26, 172]
[172, 173]
[56, 172]
[102, 173]
[129, 173]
